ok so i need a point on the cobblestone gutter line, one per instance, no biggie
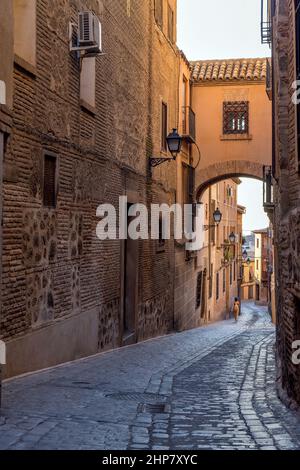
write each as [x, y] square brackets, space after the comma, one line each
[161, 383]
[259, 411]
[267, 431]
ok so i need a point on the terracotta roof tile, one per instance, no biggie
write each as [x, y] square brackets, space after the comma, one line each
[231, 69]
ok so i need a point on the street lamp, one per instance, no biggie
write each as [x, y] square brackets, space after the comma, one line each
[232, 238]
[174, 143]
[217, 216]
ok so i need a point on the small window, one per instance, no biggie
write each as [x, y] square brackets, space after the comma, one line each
[257, 242]
[231, 274]
[159, 12]
[234, 271]
[199, 289]
[224, 281]
[25, 30]
[88, 83]
[161, 240]
[257, 265]
[164, 126]
[49, 188]
[128, 8]
[217, 286]
[236, 117]
[170, 24]
[211, 281]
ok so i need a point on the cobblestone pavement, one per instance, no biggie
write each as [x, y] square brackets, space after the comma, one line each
[209, 388]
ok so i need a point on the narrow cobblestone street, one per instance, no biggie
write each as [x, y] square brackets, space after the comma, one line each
[210, 388]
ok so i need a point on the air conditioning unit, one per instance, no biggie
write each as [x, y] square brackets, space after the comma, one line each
[85, 38]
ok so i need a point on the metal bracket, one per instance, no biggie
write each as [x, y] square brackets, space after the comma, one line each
[159, 161]
[207, 227]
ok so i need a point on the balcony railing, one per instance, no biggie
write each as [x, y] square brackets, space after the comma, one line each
[266, 21]
[188, 124]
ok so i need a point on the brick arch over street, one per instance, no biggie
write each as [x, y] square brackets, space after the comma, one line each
[223, 170]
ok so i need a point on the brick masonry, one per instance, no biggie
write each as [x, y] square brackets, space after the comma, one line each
[61, 286]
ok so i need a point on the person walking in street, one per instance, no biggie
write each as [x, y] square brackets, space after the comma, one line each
[236, 309]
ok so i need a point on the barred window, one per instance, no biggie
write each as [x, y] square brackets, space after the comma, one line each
[199, 289]
[49, 189]
[164, 126]
[210, 286]
[236, 117]
[217, 286]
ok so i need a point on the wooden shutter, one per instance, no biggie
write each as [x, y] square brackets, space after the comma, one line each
[49, 189]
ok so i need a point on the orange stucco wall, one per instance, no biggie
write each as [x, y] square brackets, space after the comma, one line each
[207, 102]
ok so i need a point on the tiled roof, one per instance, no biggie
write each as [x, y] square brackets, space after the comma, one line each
[229, 70]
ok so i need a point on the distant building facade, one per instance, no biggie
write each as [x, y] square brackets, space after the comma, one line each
[261, 266]
[218, 261]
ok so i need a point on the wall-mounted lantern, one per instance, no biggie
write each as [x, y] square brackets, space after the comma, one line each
[232, 238]
[217, 216]
[174, 143]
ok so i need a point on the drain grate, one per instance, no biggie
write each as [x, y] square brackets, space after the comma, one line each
[143, 398]
[154, 408]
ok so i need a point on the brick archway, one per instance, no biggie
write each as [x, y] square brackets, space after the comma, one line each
[223, 170]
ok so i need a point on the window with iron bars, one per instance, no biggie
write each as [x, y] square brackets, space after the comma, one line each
[297, 24]
[236, 117]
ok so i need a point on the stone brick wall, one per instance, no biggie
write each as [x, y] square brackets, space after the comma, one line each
[61, 285]
[287, 212]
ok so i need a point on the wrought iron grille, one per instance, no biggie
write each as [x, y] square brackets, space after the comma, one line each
[236, 117]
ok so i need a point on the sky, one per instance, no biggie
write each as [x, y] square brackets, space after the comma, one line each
[218, 29]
